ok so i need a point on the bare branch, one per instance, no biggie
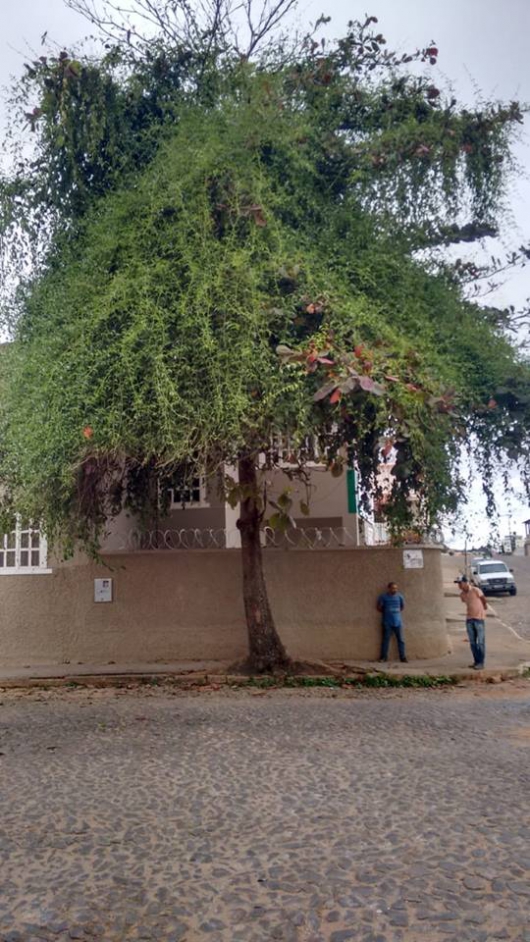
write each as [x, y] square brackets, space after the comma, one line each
[270, 15]
[203, 25]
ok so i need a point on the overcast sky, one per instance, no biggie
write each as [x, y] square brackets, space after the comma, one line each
[483, 45]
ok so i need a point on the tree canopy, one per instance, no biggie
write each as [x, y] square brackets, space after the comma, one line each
[224, 247]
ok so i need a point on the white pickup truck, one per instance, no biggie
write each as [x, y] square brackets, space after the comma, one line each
[493, 577]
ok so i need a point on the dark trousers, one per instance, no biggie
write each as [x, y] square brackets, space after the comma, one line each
[388, 631]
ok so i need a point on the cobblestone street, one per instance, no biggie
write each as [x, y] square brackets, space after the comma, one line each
[245, 816]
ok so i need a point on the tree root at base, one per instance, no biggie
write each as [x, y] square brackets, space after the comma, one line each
[291, 668]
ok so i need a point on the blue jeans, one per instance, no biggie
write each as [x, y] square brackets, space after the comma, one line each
[388, 631]
[476, 633]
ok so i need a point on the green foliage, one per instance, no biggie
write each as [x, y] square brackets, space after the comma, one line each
[232, 255]
[421, 681]
[378, 681]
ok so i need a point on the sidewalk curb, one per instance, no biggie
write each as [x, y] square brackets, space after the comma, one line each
[302, 681]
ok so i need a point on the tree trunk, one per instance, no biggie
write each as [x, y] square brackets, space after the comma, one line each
[266, 651]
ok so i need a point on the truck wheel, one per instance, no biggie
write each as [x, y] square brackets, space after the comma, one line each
[513, 590]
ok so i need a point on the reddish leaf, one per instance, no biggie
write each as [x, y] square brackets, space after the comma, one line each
[393, 379]
[324, 391]
[88, 431]
[369, 385]
[336, 396]
[492, 404]
[359, 350]
[350, 384]
[387, 449]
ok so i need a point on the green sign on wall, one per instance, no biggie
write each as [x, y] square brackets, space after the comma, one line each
[351, 484]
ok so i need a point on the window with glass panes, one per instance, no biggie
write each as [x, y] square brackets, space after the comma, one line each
[186, 491]
[23, 550]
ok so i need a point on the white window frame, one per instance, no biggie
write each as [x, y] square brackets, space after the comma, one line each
[17, 546]
[200, 486]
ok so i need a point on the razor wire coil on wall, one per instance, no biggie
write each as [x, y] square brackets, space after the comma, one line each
[195, 539]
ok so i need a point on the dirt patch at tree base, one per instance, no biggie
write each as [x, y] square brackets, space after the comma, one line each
[301, 669]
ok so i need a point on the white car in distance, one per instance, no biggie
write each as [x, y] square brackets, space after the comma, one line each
[493, 577]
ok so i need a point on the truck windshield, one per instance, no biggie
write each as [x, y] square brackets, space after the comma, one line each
[493, 567]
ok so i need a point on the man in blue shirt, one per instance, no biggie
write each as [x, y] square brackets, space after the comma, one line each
[391, 603]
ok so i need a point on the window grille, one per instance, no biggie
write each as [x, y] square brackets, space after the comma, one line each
[307, 451]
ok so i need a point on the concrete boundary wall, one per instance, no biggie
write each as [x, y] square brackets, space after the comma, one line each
[171, 606]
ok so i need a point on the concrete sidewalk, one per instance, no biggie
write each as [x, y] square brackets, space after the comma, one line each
[507, 655]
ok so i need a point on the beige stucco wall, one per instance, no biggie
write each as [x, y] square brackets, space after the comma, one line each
[328, 505]
[211, 517]
[203, 518]
[328, 497]
[187, 606]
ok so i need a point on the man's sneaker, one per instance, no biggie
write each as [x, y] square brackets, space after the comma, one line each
[383, 660]
[404, 660]
[478, 667]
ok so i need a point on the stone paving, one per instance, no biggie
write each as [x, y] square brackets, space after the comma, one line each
[239, 816]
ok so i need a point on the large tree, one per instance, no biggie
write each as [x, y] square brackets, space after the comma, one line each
[226, 247]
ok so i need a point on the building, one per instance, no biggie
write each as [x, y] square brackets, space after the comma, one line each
[526, 525]
[173, 592]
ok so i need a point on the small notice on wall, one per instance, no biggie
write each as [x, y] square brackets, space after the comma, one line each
[102, 590]
[412, 559]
